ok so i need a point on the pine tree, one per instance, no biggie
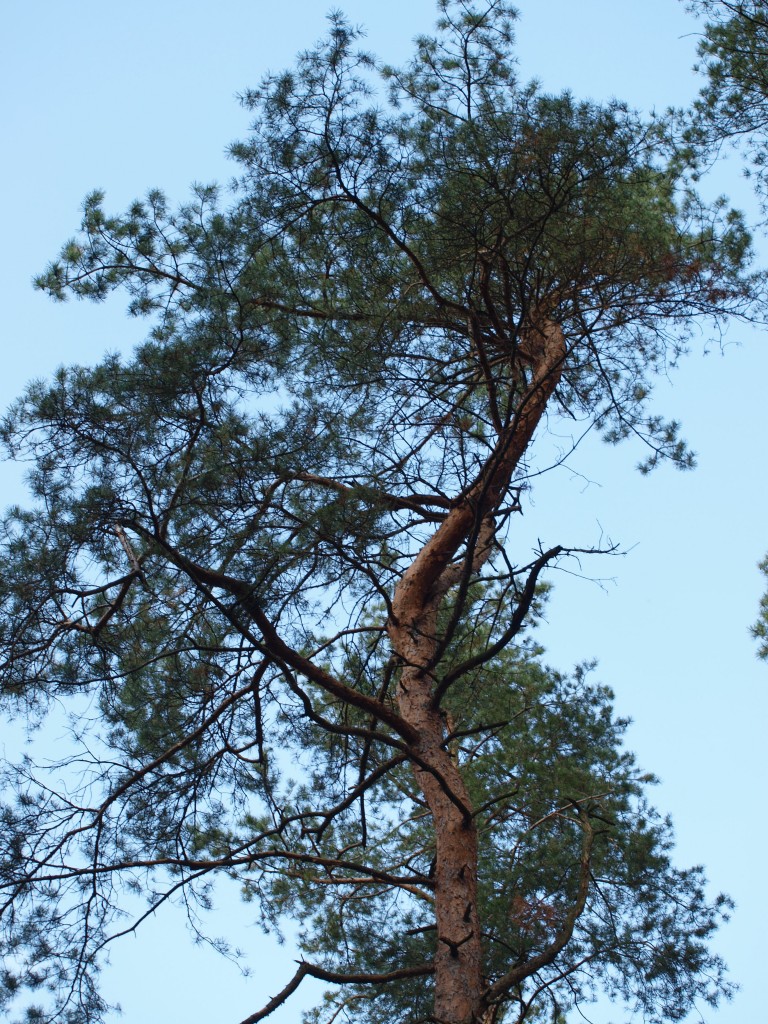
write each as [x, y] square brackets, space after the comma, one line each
[733, 108]
[270, 552]
[733, 104]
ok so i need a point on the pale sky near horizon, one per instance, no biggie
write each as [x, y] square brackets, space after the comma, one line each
[132, 96]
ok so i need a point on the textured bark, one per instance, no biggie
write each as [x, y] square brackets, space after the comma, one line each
[458, 957]
[465, 535]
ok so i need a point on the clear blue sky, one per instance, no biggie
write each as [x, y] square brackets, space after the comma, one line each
[131, 96]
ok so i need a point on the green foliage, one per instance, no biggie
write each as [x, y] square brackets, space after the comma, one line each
[538, 750]
[338, 350]
[760, 628]
[734, 102]
[734, 106]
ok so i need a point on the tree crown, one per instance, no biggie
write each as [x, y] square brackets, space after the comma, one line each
[269, 551]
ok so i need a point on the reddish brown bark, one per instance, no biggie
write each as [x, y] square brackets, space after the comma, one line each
[469, 526]
[458, 957]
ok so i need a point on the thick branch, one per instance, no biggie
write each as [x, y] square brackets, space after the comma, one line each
[334, 978]
[414, 502]
[515, 624]
[483, 497]
[275, 644]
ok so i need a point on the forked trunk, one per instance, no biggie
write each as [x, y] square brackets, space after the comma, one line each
[458, 962]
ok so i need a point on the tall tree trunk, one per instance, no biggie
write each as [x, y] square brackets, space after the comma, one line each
[458, 956]
[459, 982]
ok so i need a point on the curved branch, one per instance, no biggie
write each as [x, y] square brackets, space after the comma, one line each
[515, 624]
[518, 973]
[334, 978]
[548, 349]
[275, 644]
